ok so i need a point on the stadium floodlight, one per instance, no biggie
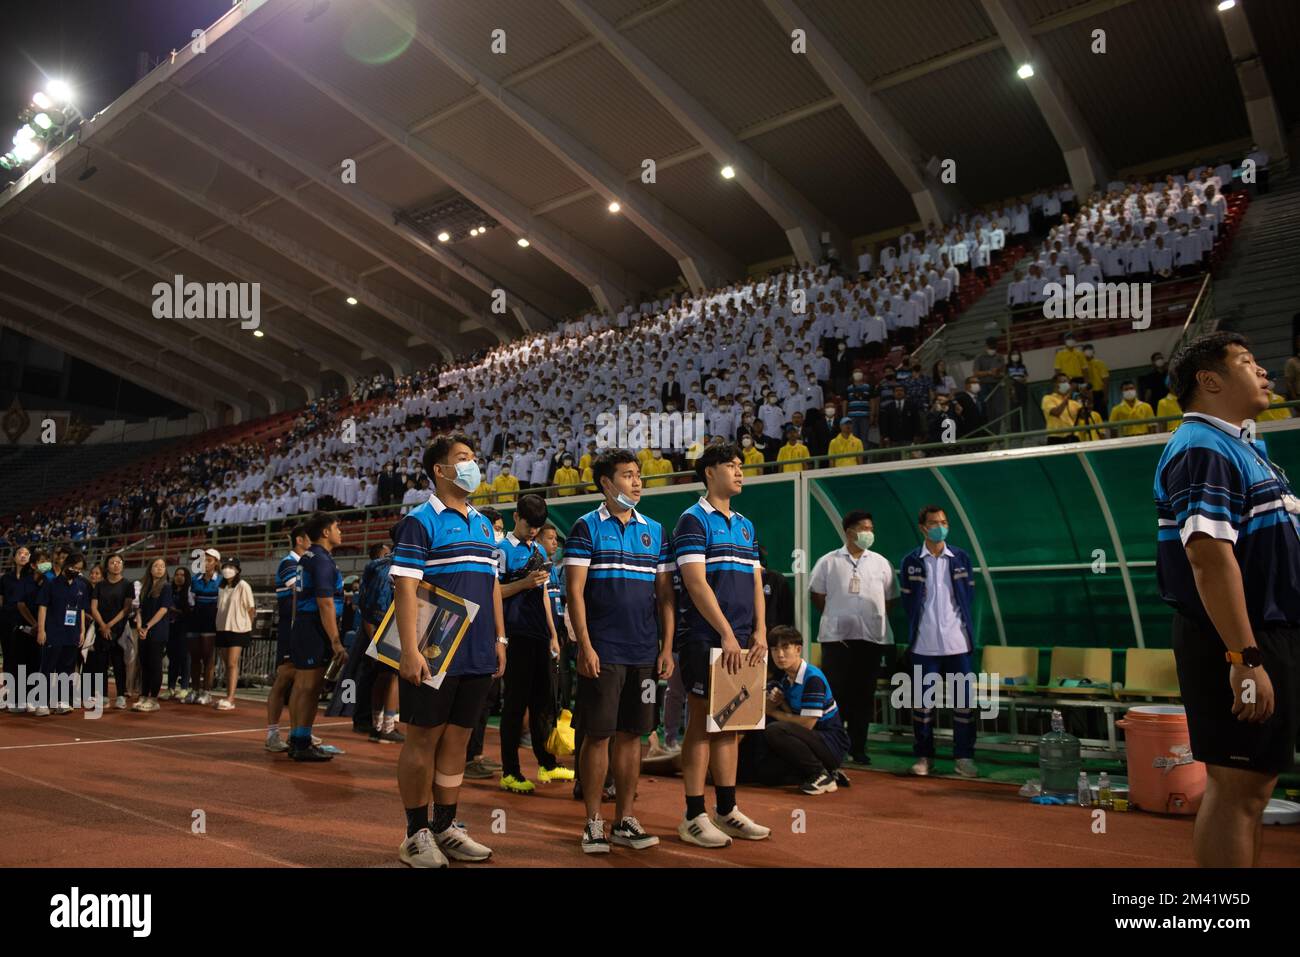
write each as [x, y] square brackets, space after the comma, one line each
[522, 242]
[1026, 71]
[25, 134]
[258, 333]
[352, 300]
[1226, 5]
[42, 121]
[42, 101]
[614, 207]
[59, 91]
[474, 231]
[728, 172]
[27, 150]
[444, 236]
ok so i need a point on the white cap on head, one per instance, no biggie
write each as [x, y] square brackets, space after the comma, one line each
[213, 552]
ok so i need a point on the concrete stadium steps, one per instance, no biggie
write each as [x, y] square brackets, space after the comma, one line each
[35, 473]
[1259, 290]
[963, 339]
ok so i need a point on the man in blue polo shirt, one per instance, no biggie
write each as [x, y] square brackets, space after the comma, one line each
[621, 607]
[1228, 561]
[314, 640]
[937, 589]
[716, 553]
[534, 649]
[60, 629]
[445, 543]
[286, 579]
[805, 737]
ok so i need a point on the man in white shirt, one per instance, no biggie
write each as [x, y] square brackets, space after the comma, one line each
[854, 588]
[1018, 291]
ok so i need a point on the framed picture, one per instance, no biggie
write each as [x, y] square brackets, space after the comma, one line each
[441, 620]
[736, 701]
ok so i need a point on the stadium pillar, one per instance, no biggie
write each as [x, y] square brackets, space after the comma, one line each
[1266, 127]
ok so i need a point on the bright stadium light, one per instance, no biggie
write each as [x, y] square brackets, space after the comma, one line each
[258, 333]
[728, 172]
[1026, 71]
[474, 231]
[352, 301]
[1227, 5]
[614, 207]
[59, 91]
[41, 101]
[522, 242]
[27, 150]
[43, 121]
[25, 134]
[444, 236]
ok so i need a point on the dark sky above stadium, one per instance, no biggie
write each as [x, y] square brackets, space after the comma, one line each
[90, 43]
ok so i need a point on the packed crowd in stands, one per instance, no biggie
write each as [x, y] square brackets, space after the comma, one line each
[799, 363]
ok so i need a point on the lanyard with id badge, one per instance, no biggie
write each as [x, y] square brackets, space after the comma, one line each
[855, 582]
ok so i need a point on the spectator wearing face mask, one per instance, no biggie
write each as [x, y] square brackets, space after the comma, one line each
[862, 405]
[506, 485]
[566, 474]
[771, 415]
[751, 457]
[843, 445]
[1070, 359]
[1151, 385]
[235, 612]
[64, 605]
[919, 387]
[659, 466]
[899, 418]
[792, 451]
[970, 410]
[1060, 409]
[1131, 407]
[1097, 374]
[1169, 406]
[937, 419]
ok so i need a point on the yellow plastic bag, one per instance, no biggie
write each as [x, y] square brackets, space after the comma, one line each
[560, 743]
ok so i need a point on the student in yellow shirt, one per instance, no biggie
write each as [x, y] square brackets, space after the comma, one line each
[566, 474]
[588, 457]
[1070, 360]
[1098, 375]
[1271, 413]
[506, 485]
[1089, 416]
[793, 449]
[753, 459]
[589, 479]
[1060, 409]
[846, 441]
[483, 494]
[643, 458]
[658, 465]
[1132, 408]
[1169, 406]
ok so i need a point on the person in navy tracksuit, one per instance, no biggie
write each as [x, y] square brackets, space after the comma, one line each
[937, 586]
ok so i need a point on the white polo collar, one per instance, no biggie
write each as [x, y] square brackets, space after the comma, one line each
[803, 671]
[946, 553]
[605, 514]
[1221, 424]
[704, 504]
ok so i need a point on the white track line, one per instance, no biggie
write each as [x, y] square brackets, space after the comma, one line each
[155, 737]
[83, 796]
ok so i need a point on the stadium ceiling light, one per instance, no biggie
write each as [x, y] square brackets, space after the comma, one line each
[474, 231]
[1226, 5]
[42, 101]
[728, 172]
[352, 300]
[444, 236]
[258, 333]
[59, 91]
[43, 121]
[25, 134]
[27, 150]
[522, 242]
[1026, 71]
[614, 207]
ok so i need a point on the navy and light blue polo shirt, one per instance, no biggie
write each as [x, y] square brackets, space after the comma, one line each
[453, 552]
[525, 611]
[286, 579]
[203, 595]
[318, 577]
[555, 593]
[859, 396]
[729, 549]
[622, 561]
[809, 696]
[1211, 480]
[64, 603]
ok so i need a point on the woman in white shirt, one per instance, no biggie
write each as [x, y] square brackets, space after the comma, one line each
[235, 611]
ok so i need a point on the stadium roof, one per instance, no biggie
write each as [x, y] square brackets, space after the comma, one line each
[228, 165]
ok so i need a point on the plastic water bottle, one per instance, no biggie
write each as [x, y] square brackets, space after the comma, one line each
[1085, 790]
[1104, 798]
[1058, 760]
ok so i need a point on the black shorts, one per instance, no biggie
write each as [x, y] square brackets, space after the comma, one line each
[459, 701]
[283, 646]
[234, 639]
[621, 698]
[309, 646]
[693, 660]
[1217, 736]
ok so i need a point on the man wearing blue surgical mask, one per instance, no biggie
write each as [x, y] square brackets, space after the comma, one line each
[938, 591]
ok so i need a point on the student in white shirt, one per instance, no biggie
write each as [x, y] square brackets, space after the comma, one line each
[1018, 290]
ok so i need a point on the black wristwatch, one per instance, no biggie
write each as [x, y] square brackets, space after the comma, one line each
[1250, 656]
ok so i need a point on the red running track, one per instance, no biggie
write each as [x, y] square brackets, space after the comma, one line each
[122, 791]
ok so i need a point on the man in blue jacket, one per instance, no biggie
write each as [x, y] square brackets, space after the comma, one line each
[937, 591]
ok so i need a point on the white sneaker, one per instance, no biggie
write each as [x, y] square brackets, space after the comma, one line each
[63, 709]
[165, 694]
[456, 843]
[150, 705]
[42, 711]
[204, 698]
[923, 767]
[701, 831]
[89, 703]
[120, 702]
[738, 825]
[966, 768]
[225, 704]
[139, 705]
[275, 744]
[419, 850]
